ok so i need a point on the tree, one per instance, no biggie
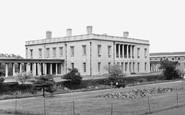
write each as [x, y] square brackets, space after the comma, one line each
[169, 69]
[115, 72]
[46, 83]
[23, 77]
[73, 79]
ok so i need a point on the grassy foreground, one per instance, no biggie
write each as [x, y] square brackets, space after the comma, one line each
[88, 103]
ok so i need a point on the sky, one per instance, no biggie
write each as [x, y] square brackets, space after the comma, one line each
[162, 22]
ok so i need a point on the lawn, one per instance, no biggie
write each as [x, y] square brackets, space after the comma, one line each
[89, 103]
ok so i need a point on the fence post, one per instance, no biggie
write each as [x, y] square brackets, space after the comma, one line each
[44, 107]
[148, 104]
[73, 107]
[111, 109]
[177, 97]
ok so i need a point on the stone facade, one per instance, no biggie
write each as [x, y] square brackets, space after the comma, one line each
[90, 53]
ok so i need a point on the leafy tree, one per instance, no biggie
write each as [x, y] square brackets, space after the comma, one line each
[23, 77]
[115, 72]
[73, 79]
[169, 69]
[46, 83]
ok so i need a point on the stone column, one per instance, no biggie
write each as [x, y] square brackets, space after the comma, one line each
[13, 65]
[6, 70]
[51, 72]
[127, 51]
[34, 69]
[20, 68]
[45, 68]
[131, 51]
[39, 68]
[56, 68]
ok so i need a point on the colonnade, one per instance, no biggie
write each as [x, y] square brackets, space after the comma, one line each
[154, 67]
[36, 68]
[125, 50]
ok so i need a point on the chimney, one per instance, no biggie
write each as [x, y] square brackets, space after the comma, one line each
[69, 32]
[89, 29]
[125, 34]
[48, 34]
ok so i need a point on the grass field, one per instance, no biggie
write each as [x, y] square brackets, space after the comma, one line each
[88, 103]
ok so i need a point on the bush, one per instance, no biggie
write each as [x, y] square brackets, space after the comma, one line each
[73, 79]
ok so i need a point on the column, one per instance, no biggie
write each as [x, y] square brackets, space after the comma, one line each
[62, 68]
[28, 68]
[118, 51]
[56, 68]
[34, 69]
[13, 65]
[123, 50]
[45, 68]
[20, 68]
[123, 67]
[39, 68]
[131, 68]
[6, 70]
[51, 68]
[127, 51]
[131, 51]
[133, 47]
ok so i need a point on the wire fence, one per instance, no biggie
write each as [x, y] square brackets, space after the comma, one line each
[97, 105]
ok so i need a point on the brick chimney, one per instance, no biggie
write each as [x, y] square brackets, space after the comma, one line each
[48, 34]
[89, 29]
[69, 32]
[125, 34]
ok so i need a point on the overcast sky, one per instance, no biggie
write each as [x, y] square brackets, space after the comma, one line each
[162, 22]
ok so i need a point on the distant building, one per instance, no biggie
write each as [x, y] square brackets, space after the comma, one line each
[90, 53]
[155, 59]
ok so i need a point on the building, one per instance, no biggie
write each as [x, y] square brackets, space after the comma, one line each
[155, 59]
[90, 53]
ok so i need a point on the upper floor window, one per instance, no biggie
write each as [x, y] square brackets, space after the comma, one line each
[47, 53]
[54, 52]
[72, 51]
[31, 53]
[99, 50]
[99, 66]
[145, 52]
[109, 51]
[138, 52]
[40, 53]
[84, 49]
[61, 51]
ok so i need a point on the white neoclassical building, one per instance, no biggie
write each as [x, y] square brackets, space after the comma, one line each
[90, 53]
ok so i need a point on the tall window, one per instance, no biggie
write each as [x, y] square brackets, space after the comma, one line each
[138, 66]
[126, 63]
[31, 53]
[47, 52]
[61, 51]
[99, 66]
[109, 63]
[72, 51]
[138, 54]
[84, 49]
[40, 53]
[72, 65]
[84, 66]
[54, 52]
[99, 50]
[109, 51]
[145, 66]
[145, 53]
[133, 66]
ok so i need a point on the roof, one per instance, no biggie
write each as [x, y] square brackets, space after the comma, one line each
[168, 54]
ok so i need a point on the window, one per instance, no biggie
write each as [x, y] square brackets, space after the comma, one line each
[129, 66]
[47, 53]
[145, 55]
[109, 63]
[138, 66]
[61, 51]
[72, 51]
[40, 53]
[179, 58]
[99, 66]
[138, 50]
[133, 66]
[84, 66]
[84, 49]
[126, 66]
[121, 65]
[109, 51]
[145, 66]
[72, 65]
[31, 53]
[99, 50]
[54, 52]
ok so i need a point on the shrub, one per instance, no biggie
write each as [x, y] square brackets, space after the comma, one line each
[23, 77]
[73, 79]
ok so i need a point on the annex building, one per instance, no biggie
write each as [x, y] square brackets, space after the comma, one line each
[90, 53]
[178, 57]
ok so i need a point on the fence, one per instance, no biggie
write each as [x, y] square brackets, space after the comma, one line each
[95, 105]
